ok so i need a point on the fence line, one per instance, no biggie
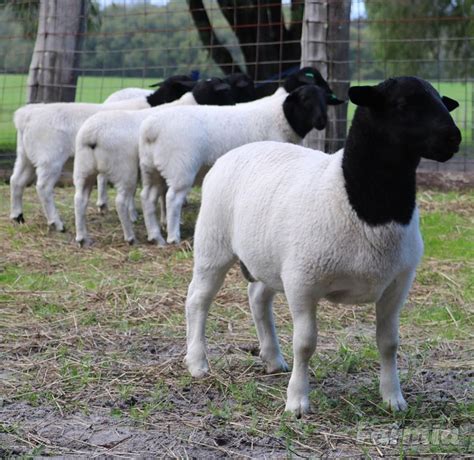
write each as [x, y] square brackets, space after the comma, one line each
[137, 42]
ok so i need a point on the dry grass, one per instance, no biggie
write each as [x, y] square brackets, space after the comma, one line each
[92, 341]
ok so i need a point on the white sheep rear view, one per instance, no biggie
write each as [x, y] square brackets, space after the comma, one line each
[107, 144]
[343, 227]
[45, 140]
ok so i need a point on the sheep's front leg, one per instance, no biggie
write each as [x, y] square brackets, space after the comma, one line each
[303, 311]
[204, 286]
[102, 198]
[81, 198]
[174, 203]
[388, 312]
[48, 175]
[261, 304]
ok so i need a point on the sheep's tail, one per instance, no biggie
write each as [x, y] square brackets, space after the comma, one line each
[22, 116]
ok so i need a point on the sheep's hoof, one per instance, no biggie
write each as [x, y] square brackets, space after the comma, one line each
[131, 241]
[197, 369]
[276, 366]
[102, 208]
[57, 228]
[298, 407]
[157, 241]
[84, 242]
[173, 240]
[20, 219]
[396, 403]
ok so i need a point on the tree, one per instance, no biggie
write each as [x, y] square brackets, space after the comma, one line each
[423, 37]
[269, 46]
[60, 26]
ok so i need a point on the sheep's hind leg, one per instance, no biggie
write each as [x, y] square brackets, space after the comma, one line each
[388, 312]
[48, 175]
[81, 199]
[23, 174]
[102, 198]
[261, 304]
[122, 204]
[204, 286]
[132, 209]
[149, 196]
[303, 310]
[174, 203]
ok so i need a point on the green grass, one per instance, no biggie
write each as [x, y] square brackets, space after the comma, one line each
[89, 89]
[96, 89]
[101, 331]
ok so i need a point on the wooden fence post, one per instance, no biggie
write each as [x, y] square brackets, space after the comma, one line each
[54, 66]
[325, 45]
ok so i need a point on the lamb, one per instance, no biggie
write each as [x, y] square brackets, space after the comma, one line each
[175, 145]
[107, 144]
[45, 140]
[169, 90]
[343, 227]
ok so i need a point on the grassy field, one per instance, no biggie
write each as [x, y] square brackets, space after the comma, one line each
[96, 89]
[89, 89]
[92, 342]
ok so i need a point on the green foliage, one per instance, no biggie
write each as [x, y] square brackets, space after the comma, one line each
[423, 37]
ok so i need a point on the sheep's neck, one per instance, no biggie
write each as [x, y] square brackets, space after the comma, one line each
[380, 180]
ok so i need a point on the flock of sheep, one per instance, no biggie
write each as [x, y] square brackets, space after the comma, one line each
[343, 227]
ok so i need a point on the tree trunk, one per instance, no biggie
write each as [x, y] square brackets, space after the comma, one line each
[55, 63]
[270, 48]
[325, 45]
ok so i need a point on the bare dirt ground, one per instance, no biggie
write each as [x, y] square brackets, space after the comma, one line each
[92, 342]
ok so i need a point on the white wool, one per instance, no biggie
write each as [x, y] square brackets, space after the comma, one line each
[176, 144]
[45, 140]
[114, 135]
[284, 212]
[127, 93]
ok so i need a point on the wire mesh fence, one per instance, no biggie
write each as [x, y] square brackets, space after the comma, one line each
[139, 42]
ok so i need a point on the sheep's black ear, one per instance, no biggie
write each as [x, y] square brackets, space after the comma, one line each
[155, 85]
[450, 104]
[184, 84]
[332, 99]
[242, 83]
[221, 87]
[365, 96]
[307, 78]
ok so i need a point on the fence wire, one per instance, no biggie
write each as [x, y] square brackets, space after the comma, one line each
[139, 42]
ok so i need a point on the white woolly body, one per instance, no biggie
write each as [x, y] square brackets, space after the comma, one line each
[179, 143]
[127, 93]
[284, 212]
[48, 131]
[114, 137]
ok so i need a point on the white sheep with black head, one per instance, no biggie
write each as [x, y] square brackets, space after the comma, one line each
[176, 145]
[341, 227]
